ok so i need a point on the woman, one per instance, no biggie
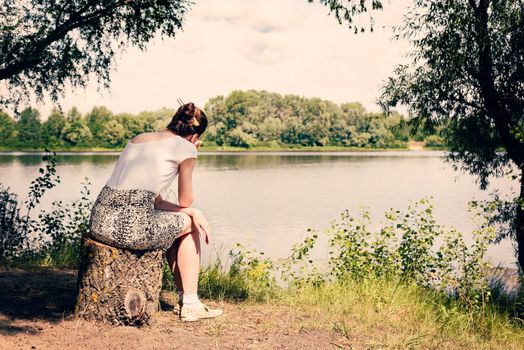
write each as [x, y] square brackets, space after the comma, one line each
[130, 213]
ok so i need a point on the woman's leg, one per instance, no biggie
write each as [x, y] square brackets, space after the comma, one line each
[184, 259]
[171, 256]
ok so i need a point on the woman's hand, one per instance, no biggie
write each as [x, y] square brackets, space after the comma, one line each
[199, 220]
[201, 223]
[195, 141]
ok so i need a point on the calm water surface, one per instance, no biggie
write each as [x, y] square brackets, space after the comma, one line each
[268, 200]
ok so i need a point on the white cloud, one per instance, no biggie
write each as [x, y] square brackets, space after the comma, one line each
[260, 15]
[286, 46]
[263, 24]
[267, 48]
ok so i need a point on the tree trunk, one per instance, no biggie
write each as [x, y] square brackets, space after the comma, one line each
[519, 224]
[118, 286]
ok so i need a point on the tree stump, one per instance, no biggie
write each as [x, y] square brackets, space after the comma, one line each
[118, 286]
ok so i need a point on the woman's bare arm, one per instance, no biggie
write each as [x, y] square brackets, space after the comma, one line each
[162, 204]
[185, 182]
[185, 199]
[196, 215]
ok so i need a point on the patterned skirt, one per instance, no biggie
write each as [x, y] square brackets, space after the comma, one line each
[127, 219]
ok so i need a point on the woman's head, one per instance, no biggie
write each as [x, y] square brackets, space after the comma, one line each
[188, 120]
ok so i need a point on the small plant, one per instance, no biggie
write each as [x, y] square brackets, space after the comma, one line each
[17, 229]
[62, 228]
[298, 269]
[255, 270]
[12, 239]
[349, 240]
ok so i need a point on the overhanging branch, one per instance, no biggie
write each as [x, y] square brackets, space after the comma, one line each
[32, 58]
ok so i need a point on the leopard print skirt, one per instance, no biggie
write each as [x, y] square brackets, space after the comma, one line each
[127, 219]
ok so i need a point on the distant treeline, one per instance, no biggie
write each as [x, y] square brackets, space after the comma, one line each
[242, 119]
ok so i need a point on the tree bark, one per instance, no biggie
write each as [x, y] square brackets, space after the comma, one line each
[496, 109]
[519, 224]
[501, 116]
[118, 286]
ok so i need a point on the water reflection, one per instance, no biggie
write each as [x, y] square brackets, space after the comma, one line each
[229, 160]
[36, 159]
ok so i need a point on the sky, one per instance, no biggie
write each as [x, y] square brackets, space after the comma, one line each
[284, 46]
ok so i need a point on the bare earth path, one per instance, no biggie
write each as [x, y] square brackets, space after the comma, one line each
[36, 306]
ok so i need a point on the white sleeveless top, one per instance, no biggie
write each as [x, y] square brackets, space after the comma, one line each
[151, 165]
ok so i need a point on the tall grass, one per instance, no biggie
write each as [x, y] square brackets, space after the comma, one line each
[245, 278]
[376, 312]
[411, 284]
[396, 314]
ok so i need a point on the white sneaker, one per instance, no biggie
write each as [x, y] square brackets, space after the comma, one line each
[177, 308]
[197, 311]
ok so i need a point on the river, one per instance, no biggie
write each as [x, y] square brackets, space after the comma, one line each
[268, 200]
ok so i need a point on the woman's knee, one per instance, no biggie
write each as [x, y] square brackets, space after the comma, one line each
[189, 228]
[188, 223]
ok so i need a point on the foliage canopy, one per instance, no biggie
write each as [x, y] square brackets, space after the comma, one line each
[242, 119]
[47, 45]
[467, 71]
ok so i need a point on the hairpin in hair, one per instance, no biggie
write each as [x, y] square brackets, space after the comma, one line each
[194, 122]
[180, 102]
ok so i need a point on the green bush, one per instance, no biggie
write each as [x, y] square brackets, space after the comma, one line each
[62, 228]
[434, 141]
[410, 246]
[13, 239]
[53, 239]
[18, 231]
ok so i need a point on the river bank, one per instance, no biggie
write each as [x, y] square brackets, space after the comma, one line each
[412, 146]
[36, 313]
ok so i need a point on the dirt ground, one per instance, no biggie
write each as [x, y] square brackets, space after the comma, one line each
[36, 313]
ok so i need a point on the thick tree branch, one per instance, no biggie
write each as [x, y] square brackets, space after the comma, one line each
[76, 20]
[491, 97]
[473, 5]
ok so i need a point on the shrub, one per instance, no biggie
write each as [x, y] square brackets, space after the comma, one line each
[18, 230]
[410, 247]
[434, 141]
[13, 241]
[53, 239]
[62, 228]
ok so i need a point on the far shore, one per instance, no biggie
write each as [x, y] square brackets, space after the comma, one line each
[6, 151]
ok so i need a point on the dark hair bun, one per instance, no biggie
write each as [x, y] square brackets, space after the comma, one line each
[188, 120]
[187, 112]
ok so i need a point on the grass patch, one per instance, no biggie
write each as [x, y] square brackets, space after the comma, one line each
[377, 313]
[396, 315]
